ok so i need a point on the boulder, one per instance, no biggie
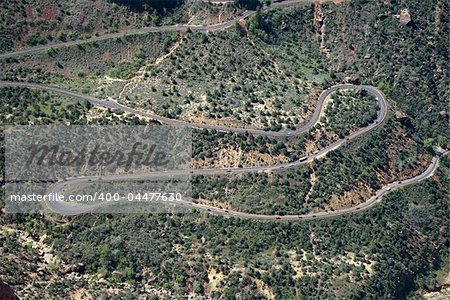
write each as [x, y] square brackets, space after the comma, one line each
[404, 17]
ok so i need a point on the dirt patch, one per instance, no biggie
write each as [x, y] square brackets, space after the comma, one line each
[214, 279]
[263, 288]
[215, 203]
[29, 13]
[79, 294]
[171, 51]
[234, 157]
[356, 196]
[49, 12]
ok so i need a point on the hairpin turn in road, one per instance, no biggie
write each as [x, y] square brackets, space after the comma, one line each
[65, 209]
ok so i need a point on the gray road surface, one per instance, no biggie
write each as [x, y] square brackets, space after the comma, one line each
[65, 209]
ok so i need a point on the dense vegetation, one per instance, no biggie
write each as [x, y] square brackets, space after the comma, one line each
[220, 77]
[384, 253]
[347, 111]
[351, 173]
[26, 23]
[407, 61]
[392, 251]
[249, 4]
[159, 5]
[70, 66]
[21, 106]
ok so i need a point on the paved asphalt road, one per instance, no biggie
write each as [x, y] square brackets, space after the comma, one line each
[165, 28]
[301, 129]
[65, 209]
[76, 209]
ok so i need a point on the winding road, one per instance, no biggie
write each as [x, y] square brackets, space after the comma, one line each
[69, 209]
[75, 209]
[105, 103]
[164, 28]
[144, 30]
